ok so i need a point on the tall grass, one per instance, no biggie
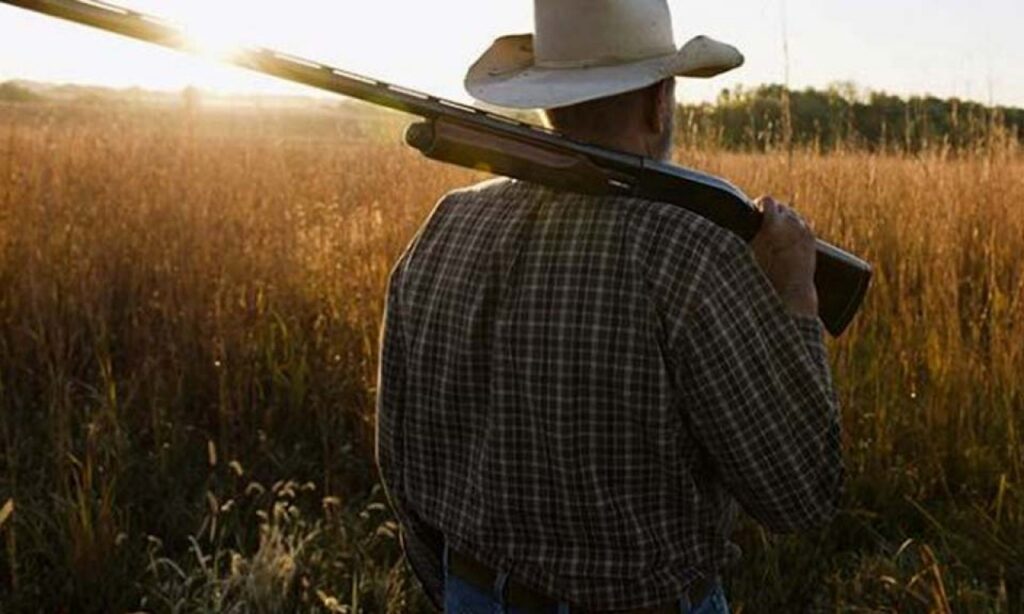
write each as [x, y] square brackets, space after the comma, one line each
[189, 308]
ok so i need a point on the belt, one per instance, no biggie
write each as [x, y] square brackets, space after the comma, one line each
[528, 600]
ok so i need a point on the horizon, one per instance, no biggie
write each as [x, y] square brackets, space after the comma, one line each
[950, 52]
[312, 95]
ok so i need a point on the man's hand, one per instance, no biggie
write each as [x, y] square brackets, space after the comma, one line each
[785, 249]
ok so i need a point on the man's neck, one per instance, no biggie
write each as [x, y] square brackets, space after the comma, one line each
[628, 143]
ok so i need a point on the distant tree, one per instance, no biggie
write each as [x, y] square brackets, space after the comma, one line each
[842, 115]
[12, 92]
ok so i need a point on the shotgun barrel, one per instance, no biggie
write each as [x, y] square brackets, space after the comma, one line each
[463, 135]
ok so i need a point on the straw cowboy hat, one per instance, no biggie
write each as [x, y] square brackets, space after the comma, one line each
[588, 49]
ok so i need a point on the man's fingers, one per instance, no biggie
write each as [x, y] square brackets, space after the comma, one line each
[767, 204]
[782, 226]
[770, 209]
[795, 218]
[791, 216]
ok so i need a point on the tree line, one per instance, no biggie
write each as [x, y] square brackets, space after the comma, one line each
[772, 116]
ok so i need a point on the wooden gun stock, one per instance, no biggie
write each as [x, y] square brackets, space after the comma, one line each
[841, 278]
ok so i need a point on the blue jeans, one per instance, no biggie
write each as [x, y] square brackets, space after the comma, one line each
[461, 597]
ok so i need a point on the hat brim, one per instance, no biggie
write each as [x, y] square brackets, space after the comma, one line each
[507, 74]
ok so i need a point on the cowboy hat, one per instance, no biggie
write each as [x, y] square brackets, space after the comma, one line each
[588, 49]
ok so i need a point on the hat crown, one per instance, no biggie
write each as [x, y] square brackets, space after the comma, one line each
[578, 33]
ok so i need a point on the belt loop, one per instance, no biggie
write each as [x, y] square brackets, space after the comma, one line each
[684, 604]
[444, 561]
[501, 589]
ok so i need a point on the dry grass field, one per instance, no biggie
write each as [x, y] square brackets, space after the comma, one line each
[189, 307]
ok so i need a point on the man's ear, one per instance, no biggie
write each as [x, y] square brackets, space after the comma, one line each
[658, 103]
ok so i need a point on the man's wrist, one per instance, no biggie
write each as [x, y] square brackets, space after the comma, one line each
[801, 301]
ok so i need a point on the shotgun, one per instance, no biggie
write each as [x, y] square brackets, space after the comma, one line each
[460, 134]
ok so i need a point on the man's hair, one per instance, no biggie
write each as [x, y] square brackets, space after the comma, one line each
[599, 116]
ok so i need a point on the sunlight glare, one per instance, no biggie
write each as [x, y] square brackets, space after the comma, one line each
[213, 34]
[214, 47]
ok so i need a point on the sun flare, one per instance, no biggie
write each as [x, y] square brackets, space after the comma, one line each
[214, 32]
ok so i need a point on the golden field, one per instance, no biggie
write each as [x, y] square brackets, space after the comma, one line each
[189, 308]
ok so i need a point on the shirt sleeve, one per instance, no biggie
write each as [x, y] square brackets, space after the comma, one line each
[759, 393]
[423, 545]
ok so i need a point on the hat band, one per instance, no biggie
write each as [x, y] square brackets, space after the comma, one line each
[598, 62]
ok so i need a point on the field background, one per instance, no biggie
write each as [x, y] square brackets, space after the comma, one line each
[190, 299]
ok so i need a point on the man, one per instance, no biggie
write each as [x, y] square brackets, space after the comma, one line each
[576, 391]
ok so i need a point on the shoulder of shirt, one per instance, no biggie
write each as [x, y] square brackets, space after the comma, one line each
[474, 194]
[660, 221]
[485, 189]
[684, 253]
[670, 230]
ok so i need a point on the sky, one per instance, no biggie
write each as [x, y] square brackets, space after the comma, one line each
[971, 49]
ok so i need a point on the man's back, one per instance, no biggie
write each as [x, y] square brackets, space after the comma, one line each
[577, 388]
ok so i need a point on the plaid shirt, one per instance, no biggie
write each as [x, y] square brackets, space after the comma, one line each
[580, 389]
